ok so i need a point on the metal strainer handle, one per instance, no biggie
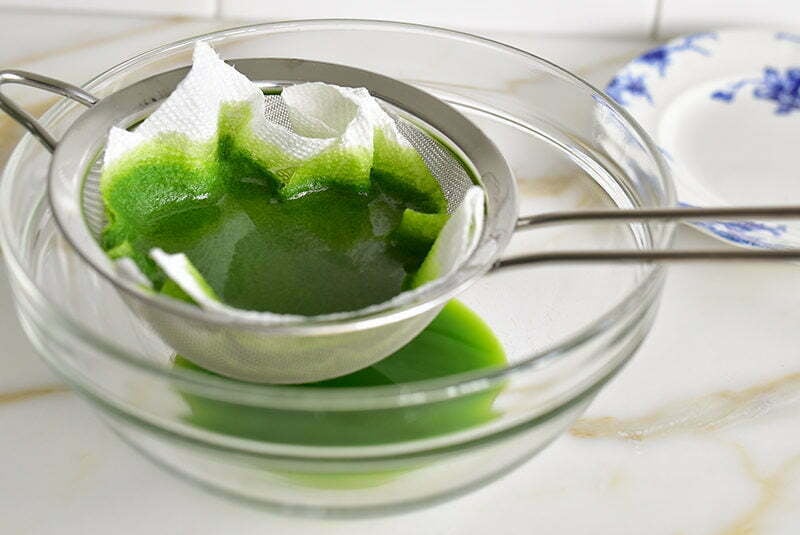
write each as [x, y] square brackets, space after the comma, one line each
[653, 214]
[46, 84]
[583, 216]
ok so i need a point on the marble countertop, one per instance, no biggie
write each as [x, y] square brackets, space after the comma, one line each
[700, 434]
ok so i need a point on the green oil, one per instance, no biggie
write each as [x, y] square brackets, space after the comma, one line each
[457, 341]
[324, 252]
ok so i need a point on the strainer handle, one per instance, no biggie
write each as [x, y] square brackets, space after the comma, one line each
[40, 82]
[653, 214]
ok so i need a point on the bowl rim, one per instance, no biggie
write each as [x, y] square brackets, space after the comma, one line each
[408, 393]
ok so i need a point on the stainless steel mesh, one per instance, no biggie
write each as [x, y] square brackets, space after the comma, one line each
[276, 111]
[93, 210]
[448, 170]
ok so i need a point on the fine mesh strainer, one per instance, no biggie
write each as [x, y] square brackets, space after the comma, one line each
[314, 348]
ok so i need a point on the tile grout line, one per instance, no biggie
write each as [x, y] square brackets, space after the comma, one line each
[96, 13]
[655, 25]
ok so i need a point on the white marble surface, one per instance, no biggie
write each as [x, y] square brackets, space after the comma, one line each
[699, 435]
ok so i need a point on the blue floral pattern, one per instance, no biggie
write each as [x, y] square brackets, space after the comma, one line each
[628, 85]
[778, 85]
[786, 36]
[782, 88]
[750, 233]
[744, 232]
[632, 82]
[660, 57]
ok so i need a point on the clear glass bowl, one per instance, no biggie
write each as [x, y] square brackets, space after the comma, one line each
[566, 329]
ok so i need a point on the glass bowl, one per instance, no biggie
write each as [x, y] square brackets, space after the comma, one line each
[566, 329]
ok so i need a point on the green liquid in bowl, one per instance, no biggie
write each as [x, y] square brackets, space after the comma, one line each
[457, 341]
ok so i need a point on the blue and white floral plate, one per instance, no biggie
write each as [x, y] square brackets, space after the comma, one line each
[724, 107]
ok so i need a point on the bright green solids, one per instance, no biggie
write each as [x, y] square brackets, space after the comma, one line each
[456, 341]
[323, 236]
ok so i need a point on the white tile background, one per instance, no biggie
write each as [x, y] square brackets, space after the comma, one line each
[681, 16]
[622, 17]
[632, 18]
[189, 8]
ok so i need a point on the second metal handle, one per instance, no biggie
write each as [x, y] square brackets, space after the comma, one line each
[47, 84]
[651, 214]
